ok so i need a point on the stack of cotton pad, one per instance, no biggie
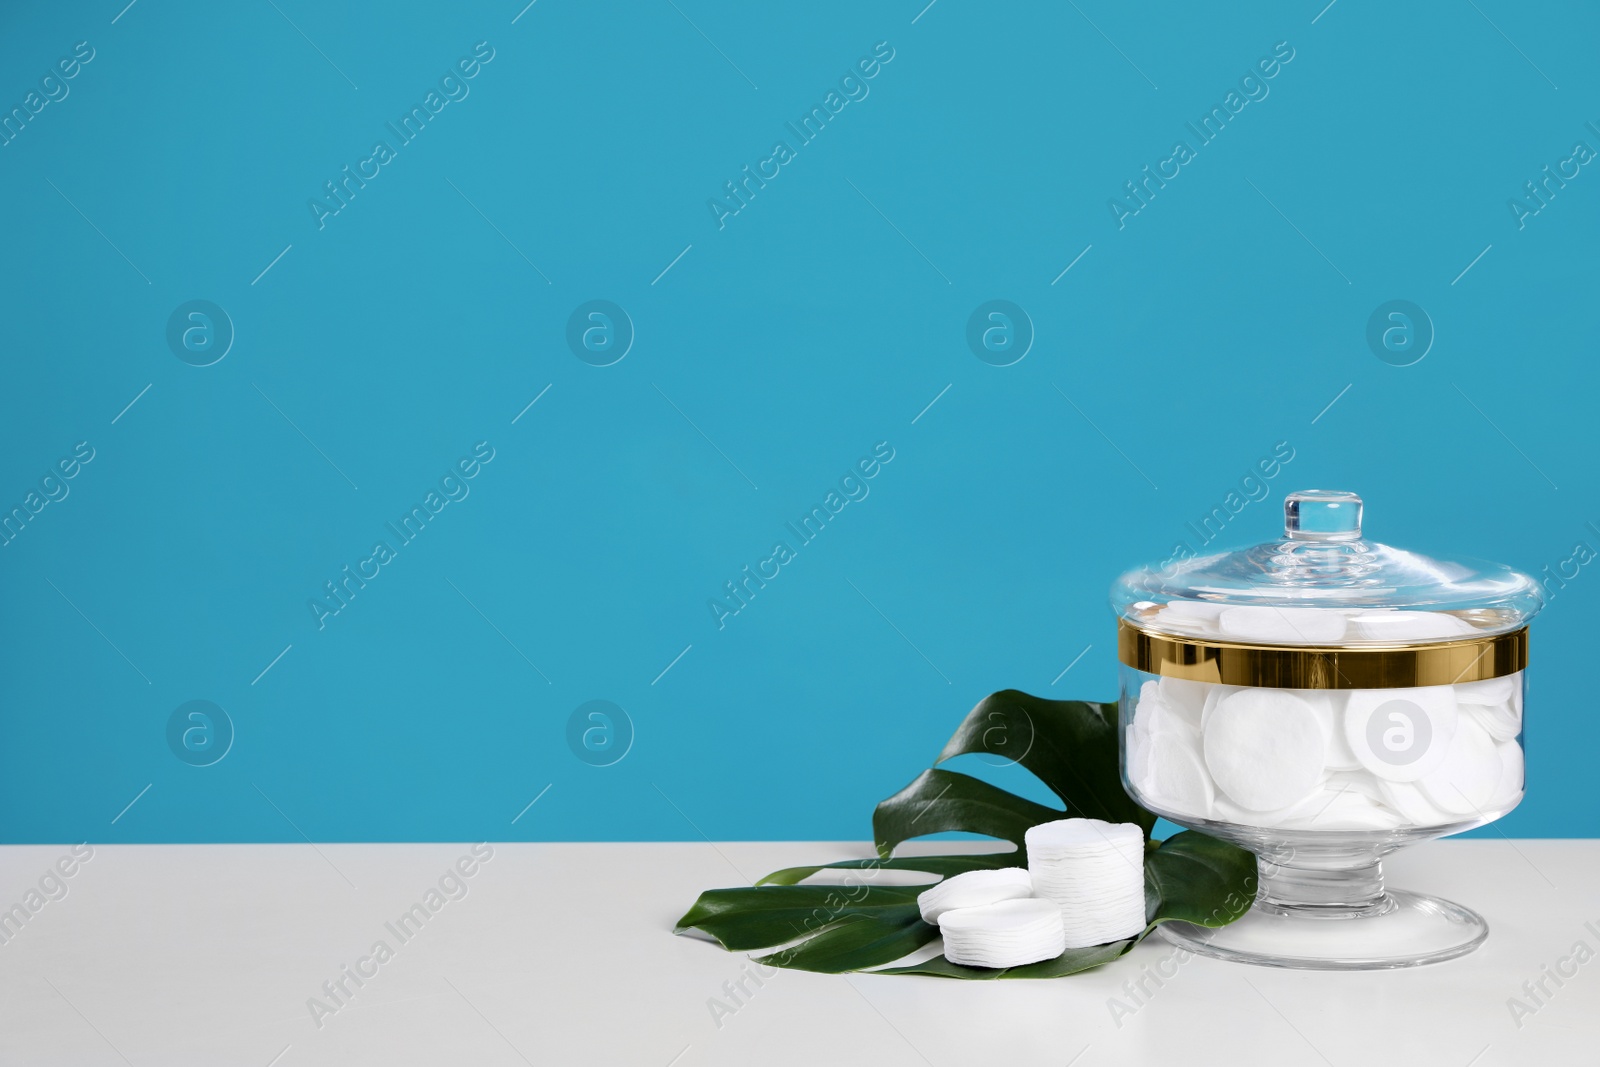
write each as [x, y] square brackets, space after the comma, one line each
[988, 919]
[1093, 872]
[1008, 934]
[1316, 759]
[1084, 886]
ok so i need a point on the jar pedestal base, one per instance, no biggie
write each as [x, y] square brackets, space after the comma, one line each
[1400, 929]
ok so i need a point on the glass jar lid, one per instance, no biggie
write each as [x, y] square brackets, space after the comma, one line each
[1323, 585]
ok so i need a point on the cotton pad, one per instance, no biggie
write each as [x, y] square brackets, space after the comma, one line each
[1320, 808]
[1466, 779]
[1169, 621]
[1331, 706]
[1217, 694]
[1225, 810]
[1359, 783]
[1254, 759]
[1136, 751]
[1327, 703]
[1401, 734]
[1397, 626]
[1184, 697]
[1178, 775]
[1283, 626]
[1163, 750]
[1298, 812]
[1491, 691]
[1193, 617]
[1265, 748]
[1148, 707]
[1093, 872]
[1501, 722]
[1509, 789]
[1414, 805]
[1154, 719]
[974, 889]
[1154, 716]
[1069, 836]
[1010, 933]
[1203, 610]
[1348, 811]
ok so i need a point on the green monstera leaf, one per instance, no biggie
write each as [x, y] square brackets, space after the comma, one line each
[1071, 747]
[938, 800]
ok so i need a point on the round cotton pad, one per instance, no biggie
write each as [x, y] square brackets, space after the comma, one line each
[1509, 790]
[1008, 934]
[1217, 694]
[1348, 811]
[1153, 716]
[1265, 748]
[1465, 782]
[1195, 609]
[1136, 747]
[1490, 691]
[1170, 621]
[1185, 698]
[1413, 804]
[1407, 626]
[1225, 810]
[1074, 834]
[1177, 776]
[1359, 783]
[1341, 757]
[1283, 626]
[974, 889]
[1500, 721]
[1401, 734]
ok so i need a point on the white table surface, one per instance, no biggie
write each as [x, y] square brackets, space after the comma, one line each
[562, 954]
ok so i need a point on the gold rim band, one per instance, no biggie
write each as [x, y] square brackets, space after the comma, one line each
[1361, 667]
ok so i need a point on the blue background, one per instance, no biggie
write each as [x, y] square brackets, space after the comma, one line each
[776, 351]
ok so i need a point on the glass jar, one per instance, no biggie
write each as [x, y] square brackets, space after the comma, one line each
[1323, 700]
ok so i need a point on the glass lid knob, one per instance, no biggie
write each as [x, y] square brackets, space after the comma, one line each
[1322, 515]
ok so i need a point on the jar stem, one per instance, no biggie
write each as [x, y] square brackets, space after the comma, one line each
[1339, 884]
